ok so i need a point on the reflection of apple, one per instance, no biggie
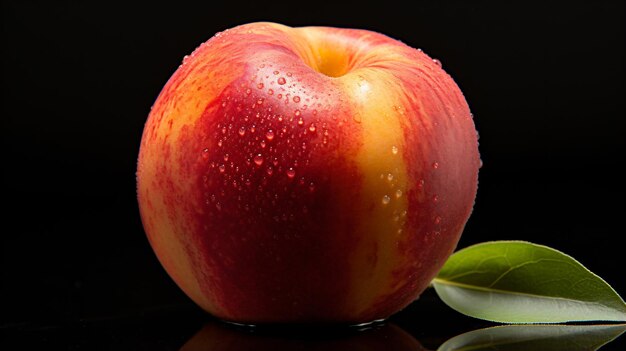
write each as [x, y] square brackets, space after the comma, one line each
[217, 337]
[306, 174]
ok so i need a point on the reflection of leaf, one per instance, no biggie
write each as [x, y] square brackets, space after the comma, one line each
[521, 282]
[536, 338]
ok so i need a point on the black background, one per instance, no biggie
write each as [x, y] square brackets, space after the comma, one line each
[545, 83]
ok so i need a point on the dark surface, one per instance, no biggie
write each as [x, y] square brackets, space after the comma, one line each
[545, 83]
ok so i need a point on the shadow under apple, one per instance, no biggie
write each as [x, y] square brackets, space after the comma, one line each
[217, 336]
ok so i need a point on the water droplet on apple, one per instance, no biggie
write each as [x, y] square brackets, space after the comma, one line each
[260, 101]
[296, 99]
[394, 150]
[437, 220]
[260, 85]
[386, 199]
[276, 72]
[270, 91]
[248, 91]
[312, 127]
[225, 157]
[435, 198]
[297, 113]
[281, 81]
[437, 62]
[389, 177]
[258, 159]
[269, 170]
[205, 153]
[291, 172]
[436, 165]
[398, 193]
[300, 121]
[262, 143]
[242, 131]
[222, 168]
[269, 135]
[311, 187]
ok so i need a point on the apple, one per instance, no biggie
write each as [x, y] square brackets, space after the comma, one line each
[314, 175]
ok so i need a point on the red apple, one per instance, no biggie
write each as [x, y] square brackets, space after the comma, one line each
[306, 174]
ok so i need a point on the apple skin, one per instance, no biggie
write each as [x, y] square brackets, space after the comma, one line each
[306, 175]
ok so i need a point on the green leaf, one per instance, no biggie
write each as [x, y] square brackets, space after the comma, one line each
[536, 337]
[521, 282]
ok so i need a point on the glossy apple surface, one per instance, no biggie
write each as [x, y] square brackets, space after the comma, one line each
[306, 174]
